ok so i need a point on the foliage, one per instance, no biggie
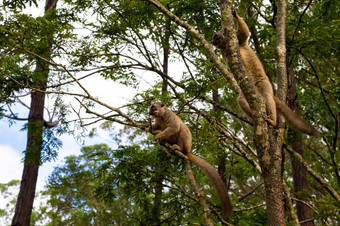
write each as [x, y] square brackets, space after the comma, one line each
[8, 192]
[124, 42]
[107, 187]
[104, 186]
[71, 193]
[24, 39]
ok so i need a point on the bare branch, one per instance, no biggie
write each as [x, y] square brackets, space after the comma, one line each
[250, 192]
[250, 208]
[270, 21]
[300, 19]
[211, 53]
[314, 174]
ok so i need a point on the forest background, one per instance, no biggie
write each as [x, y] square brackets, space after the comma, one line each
[95, 67]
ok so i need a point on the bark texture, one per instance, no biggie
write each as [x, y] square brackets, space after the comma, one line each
[166, 50]
[304, 212]
[24, 205]
[269, 151]
[274, 189]
[158, 189]
[205, 207]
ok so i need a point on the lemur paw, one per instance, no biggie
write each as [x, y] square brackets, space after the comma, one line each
[233, 11]
[175, 147]
[157, 137]
[269, 120]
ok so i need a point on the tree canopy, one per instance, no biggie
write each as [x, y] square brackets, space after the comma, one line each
[162, 51]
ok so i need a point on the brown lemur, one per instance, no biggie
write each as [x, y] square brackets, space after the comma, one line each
[178, 136]
[258, 76]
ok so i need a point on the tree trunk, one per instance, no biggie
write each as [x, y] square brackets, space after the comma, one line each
[268, 150]
[299, 172]
[221, 167]
[158, 198]
[165, 70]
[273, 183]
[199, 194]
[166, 50]
[26, 195]
[215, 95]
[254, 36]
[32, 161]
[159, 175]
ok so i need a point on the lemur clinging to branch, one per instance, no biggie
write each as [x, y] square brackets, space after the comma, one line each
[178, 135]
[258, 76]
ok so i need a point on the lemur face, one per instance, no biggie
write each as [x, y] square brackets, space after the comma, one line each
[156, 108]
[218, 40]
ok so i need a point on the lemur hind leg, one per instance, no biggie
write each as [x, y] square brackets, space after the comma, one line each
[266, 91]
[242, 102]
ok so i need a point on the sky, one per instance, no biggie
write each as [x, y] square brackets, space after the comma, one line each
[13, 140]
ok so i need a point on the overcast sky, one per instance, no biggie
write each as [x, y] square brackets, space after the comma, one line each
[13, 141]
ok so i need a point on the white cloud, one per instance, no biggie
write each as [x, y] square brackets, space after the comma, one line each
[10, 164]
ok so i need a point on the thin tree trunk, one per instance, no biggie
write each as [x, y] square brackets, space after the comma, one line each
[165, 70]
[304, 212]
[254, 35]
[24, 205]
[166, 50]
[201, 197]
[158, 198]
[26, 195]
[221, 167]
[160, 177]
[273, 183]
[215, 95]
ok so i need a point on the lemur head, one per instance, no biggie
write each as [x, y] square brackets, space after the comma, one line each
[218, 40]
[157, 109]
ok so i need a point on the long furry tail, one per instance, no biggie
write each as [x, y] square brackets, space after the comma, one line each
[216, 180]
[295, 119]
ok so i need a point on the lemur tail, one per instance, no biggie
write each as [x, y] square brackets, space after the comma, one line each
[216, 180]
[295, 119]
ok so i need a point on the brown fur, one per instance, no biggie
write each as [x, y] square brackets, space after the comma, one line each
[178, 135]
[258, 76]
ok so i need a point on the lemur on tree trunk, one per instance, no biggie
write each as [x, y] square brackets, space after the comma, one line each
[258, 76]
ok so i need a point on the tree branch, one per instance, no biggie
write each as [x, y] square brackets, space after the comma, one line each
[250, 192]
[314, 174]
[210, 52]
